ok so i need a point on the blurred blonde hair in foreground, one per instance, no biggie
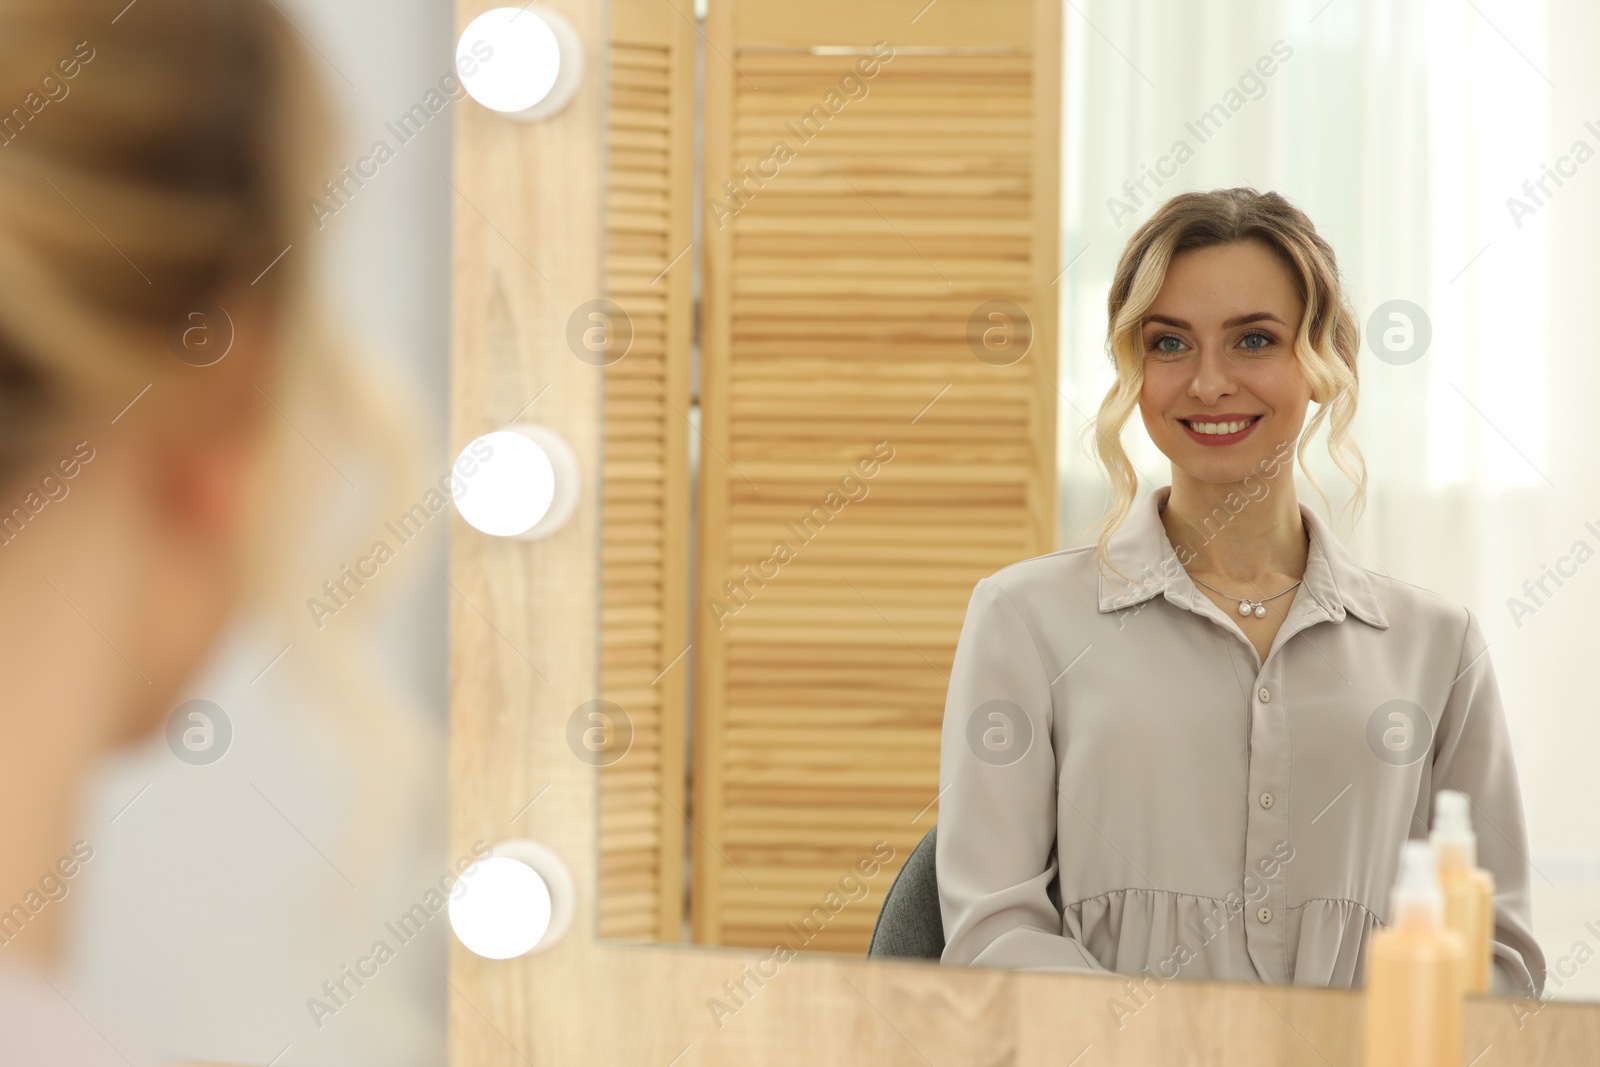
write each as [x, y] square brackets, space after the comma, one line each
[171, 166]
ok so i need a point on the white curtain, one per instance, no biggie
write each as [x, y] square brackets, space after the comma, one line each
[1404, 130]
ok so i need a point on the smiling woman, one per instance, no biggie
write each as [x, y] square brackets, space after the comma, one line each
[1110, 838]
[1239, 243]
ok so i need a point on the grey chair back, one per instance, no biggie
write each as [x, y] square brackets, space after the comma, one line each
[908, 923]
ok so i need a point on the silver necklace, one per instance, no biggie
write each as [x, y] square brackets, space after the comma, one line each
[1247, 607]
[1258, 608]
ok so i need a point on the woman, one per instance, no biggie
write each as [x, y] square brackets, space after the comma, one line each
[1194, 747]
[156, 334]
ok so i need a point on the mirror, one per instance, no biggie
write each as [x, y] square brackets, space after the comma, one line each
[855, 342]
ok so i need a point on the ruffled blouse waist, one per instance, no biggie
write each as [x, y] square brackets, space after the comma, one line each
[1179, 935]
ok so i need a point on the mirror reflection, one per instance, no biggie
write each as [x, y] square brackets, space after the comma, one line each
[1113, 493]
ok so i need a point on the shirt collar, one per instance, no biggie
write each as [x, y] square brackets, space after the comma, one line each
[1140, 549]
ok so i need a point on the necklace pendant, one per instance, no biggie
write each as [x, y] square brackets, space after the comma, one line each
[1261, 611]
[1244, 607]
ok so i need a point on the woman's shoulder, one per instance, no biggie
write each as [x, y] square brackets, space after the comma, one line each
[1416, 609]
[1048, 575]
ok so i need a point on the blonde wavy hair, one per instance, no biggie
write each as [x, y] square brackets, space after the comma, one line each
[153, 156]
[1326, 343]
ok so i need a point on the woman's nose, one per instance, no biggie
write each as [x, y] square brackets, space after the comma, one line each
[1212, 376]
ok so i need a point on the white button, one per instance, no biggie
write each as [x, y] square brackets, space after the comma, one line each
[1264, 915]
[1266, 800]
[1263, 694]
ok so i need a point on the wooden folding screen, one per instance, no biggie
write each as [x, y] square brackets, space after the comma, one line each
[879, 277]
[643, 341]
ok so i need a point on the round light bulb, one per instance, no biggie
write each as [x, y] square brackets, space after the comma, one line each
[522, 61]
[521, 481]
[503, 909]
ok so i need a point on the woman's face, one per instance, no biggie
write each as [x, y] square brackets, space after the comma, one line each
[1218, 347]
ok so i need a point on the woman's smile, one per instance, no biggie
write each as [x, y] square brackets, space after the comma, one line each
[1217, 430]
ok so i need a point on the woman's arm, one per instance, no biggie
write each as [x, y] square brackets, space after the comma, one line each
[1474, 756]
[994, 855]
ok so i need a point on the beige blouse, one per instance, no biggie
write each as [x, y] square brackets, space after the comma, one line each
[1126, 787]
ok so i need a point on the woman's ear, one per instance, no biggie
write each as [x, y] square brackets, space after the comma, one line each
[214, 416]
[201, 486]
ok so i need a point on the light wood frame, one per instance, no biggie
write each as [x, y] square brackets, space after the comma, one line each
[524, 625]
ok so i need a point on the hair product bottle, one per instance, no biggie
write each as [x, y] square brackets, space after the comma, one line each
[1414, 984]
[1468, 889]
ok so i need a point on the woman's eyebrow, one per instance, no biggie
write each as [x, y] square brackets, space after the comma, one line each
[1237, 320]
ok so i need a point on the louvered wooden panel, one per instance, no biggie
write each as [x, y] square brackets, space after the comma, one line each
[838, 299]
[644, 551]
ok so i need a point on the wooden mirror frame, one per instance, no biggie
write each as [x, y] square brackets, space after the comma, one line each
[527, 249]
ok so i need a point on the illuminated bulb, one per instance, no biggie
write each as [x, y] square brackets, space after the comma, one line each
[518, 899]
[525, 62]
[504, 909]
[518, 482]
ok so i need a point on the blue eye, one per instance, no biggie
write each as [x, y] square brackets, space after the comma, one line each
[1159, 344]
[1266, 339]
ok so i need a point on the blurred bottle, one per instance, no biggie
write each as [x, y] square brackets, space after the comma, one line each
[1468, 889]
[1414, 980]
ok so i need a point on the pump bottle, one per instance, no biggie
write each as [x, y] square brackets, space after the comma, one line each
[1413, 973]
[1468, 889]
